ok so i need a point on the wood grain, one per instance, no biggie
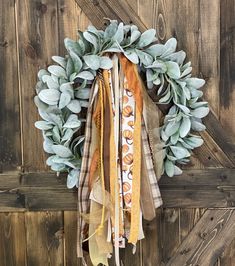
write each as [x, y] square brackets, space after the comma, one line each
[10, 151]
[70, 19]
[227, 66]
[45, 191]
[37, 30]
[96, 11]
[12, 239]
[44, 236]
[207, 240]
[152, 244]
[70, 238]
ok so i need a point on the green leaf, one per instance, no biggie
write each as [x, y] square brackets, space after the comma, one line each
[194, 141]
[49, 96]
[172, 128]
[155, 50]
[119, 35]
[105, 62]
[173, 70]
[177, 170]
[132, 56]
[93, 61]
[134, 36]
[177, 57]
[195, 82]
[174, 138]
[183, 108]
[145, 58]
[68, 134]
[72, 122]
[197, 126]
[169, 167]
[57, 71]
[68, 88]
[77, 63]
[56, 134]
[179, 152]
[62, 151]
[91, 38]
[72, 178]
[47, 146]
[43, 125]
[87, 75]
[111, 29]
[158, 65]
[65, 99]
[51, 84]
[166, 98]
[170, 46]
[69, 67]
[83, 94]
[58, 167]
[71, 45]
[41, 73]
[185, 127]
[40, 105]
[147, 38]
[200, 112]
[74, 106]
[60, 60]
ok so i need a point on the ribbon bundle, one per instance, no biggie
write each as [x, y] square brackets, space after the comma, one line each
[122, 163]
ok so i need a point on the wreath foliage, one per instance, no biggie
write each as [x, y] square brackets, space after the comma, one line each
[63, 90]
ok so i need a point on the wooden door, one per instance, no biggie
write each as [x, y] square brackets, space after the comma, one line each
[196, 225]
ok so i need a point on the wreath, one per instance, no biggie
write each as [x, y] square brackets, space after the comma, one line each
[63, 92]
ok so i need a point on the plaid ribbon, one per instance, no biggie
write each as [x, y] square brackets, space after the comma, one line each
[83, 186]
[150, 169]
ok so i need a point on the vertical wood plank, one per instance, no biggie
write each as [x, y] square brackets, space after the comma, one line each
[170, 233]
[44, 234]
[227, 66]
[152, 243]
[209, 50]
[70, 238]
[38, 41]
[10, 151]
[12, 239]
[71, 18]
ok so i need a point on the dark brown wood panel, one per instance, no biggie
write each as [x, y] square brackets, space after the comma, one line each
[12, 239]
[193, 189]
[44, 238]
[10, 150]
[38, 41]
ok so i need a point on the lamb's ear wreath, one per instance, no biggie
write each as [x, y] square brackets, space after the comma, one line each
[63, 90]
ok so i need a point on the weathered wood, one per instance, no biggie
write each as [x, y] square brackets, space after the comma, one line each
[38, 41]
[207, 240]
[208, 50]
[12, 239]
[170, 233]
[45, 244]
[228, 256]
[70, 19]
[152, 244]
[221, 136]
[45, 191]
[10, 152]
[70, 238]
[96, 11]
